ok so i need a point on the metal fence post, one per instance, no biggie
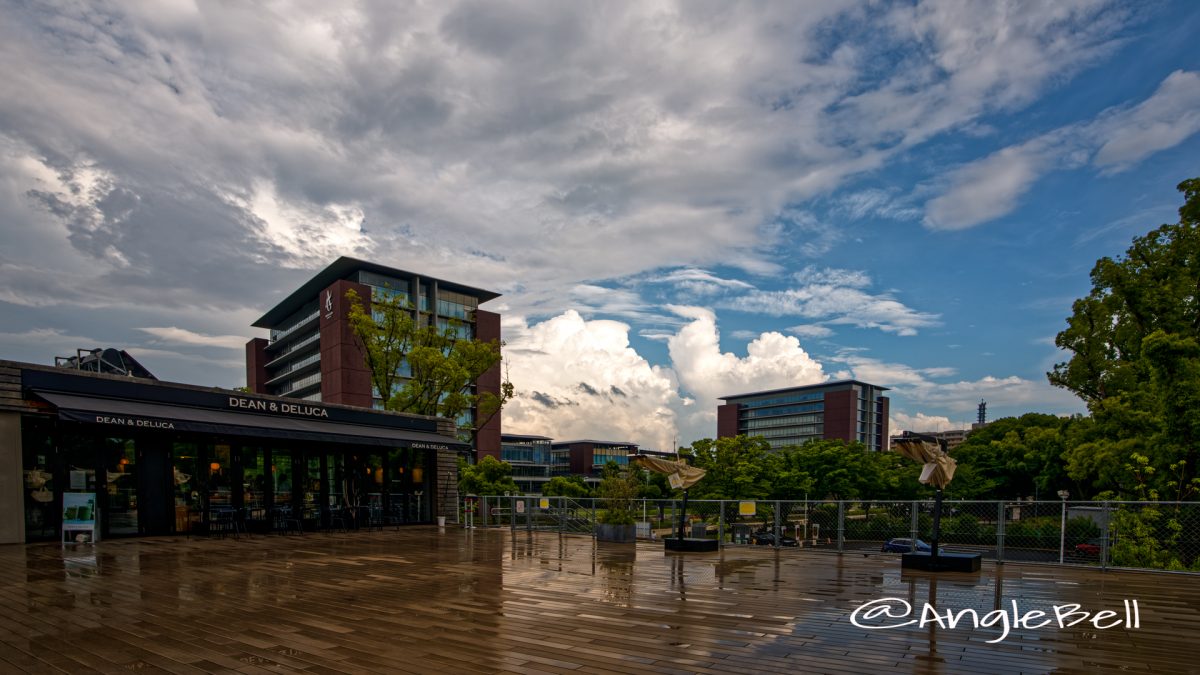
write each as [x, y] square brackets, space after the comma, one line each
[483, 509]
[562, 514]
[721, 524]
[1000, 533]
[512, 513]
[778, 532]
[1105, 532]
[841, 526]
[916, 525]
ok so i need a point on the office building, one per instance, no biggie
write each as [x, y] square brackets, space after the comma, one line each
[312, 353]
[587, 457]
[849, 410]
[530, 459]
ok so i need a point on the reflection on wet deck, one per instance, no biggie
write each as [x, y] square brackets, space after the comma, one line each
[420, 600]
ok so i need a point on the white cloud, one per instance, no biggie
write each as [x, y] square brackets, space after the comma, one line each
[992, 187]
[581, 379]
[984, 190]
[772, 360]
[1164, 120]
[899, 421]
[177, 335]
[836, 304]
[876, 203]
[811, 330]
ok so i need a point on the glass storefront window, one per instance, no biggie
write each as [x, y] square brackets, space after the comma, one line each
[120, 467]
[281, 477]
[335, 479]
[186, 482]
[41, 500]
[254, 484]
[312, 487]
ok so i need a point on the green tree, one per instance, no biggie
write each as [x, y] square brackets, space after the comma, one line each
[618, 489]
[1014, 457]
[489, 477]
[1135, 345]
[737, 468]
[566, 486]
[441, 365]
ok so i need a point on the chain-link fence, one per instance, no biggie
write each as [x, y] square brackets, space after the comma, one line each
[1137, 535]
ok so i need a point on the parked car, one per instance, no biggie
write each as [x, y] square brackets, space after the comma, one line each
[1089, 548]
[902, 545]
[767, 538]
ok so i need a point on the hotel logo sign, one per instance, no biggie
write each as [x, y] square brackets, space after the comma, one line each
[328, 303]
[277, 407]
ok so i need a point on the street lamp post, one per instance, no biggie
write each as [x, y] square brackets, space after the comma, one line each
[1062, 528]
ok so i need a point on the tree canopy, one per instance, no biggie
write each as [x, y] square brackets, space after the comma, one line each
[424, 369]
[489, 477]
[1135, 360]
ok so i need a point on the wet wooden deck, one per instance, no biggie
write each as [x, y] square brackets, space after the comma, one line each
[425, 601]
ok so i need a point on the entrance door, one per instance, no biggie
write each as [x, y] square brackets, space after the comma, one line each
[157, 503]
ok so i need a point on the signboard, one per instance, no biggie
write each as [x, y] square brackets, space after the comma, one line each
[675, 480]
[543, 503]
[746, 509]
[520, 506]
[79, 515]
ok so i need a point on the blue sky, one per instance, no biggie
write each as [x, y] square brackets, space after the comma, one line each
[678, 201]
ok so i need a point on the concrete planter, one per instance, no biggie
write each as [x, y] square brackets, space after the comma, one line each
[624, 534]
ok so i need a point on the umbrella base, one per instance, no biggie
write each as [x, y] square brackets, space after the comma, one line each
[690, 545]
[946, 562]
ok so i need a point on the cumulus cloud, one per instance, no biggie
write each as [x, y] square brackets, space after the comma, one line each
[581, 379]
[772, 360]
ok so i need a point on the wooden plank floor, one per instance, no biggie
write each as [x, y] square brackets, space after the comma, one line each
[422, 600]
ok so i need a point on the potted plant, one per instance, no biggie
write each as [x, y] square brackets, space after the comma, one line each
[618, 490]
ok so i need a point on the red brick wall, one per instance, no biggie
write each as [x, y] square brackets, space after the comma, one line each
[841, 415]
[345, 377]
[487, 441]
[727, 420]
[256, 365]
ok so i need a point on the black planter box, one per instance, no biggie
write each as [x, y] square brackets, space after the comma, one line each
[676, 544]
[946, 562]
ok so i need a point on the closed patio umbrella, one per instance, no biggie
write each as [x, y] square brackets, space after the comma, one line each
[938, 472]
[679, 474]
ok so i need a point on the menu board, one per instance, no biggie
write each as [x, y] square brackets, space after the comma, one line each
[79, 516]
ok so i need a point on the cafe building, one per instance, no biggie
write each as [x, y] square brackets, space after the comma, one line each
[91, 455]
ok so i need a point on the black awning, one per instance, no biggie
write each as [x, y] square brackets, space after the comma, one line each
[141, 415]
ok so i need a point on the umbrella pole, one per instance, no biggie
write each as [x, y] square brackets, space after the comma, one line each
[937, 529]
[683, 515]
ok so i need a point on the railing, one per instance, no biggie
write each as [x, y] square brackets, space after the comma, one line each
[1124, 535]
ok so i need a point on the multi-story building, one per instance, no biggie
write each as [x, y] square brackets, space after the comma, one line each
[953, 437]
[530, 459]
[849, 410]
[587, 457]
[312, 353]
